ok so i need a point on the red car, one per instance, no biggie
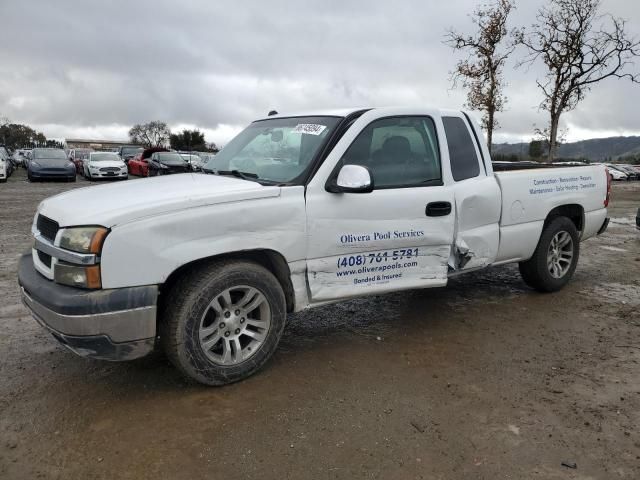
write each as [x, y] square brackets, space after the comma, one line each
[139, 165]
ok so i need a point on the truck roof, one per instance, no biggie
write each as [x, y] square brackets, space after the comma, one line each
[343, 112]
[338, 112]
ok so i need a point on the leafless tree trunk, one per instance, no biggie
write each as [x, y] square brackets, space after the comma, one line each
[481, 71]
[580, 47]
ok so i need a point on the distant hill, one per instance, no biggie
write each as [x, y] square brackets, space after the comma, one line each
[595, 149]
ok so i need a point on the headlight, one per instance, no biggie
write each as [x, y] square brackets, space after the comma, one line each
[77, 276]
[83, 239]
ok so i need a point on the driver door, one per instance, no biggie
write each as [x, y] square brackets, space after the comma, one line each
[397, 236]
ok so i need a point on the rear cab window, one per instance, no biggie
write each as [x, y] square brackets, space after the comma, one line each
[463, 155]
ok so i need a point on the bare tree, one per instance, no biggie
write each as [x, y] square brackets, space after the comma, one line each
[481, 72]
[579, 47]
[152, 134]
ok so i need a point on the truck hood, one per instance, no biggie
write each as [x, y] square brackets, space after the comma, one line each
[115, 204]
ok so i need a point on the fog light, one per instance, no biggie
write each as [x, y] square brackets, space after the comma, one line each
[77, 276]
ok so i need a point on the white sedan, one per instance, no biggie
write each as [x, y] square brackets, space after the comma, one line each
[616, 173]
[104, 165]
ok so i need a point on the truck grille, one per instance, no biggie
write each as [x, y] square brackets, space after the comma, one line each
[48, 228]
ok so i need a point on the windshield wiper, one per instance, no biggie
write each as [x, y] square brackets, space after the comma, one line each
[237, 173]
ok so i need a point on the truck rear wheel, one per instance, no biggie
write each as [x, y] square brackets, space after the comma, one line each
[223, 321]
[555, 258]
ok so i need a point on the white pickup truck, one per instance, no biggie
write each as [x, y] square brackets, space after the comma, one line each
[300, 211]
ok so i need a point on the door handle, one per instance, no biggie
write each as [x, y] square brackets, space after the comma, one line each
[438, 209]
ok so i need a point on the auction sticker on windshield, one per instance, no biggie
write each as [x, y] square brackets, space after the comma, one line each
[309, 128]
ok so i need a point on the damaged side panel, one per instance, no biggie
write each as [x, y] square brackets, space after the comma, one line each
[377, 272]
[477, 230]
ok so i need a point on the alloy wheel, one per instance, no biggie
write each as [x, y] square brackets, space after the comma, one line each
[234, 325]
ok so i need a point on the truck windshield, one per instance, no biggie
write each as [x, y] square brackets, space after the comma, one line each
[276, 150]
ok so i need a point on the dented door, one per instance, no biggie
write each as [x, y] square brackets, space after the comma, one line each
[397, 236]
[360, 244]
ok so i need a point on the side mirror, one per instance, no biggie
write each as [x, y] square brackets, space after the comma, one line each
[352, 179]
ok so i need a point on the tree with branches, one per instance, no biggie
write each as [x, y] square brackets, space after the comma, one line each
[481, 72]
[188, 140]
[579, 47]
[152, 134]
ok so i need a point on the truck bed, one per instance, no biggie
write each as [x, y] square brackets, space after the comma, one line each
[529, 194]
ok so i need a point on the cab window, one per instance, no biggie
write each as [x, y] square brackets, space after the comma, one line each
[398, 151]
[462, 151]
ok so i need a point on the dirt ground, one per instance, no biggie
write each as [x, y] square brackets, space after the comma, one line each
[485, 379]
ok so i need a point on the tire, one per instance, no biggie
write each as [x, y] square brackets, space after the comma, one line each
[188, 314]
[539, 272]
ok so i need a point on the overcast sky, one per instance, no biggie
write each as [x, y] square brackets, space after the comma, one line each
[91, 69]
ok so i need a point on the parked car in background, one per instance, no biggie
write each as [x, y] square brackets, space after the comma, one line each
[78, 156]
[28, 154]
[165, 163]
[104, 165]
[193, 159]
[50, 163]
[206, 156]
[139, 164]
[127, 152]
[6, 165]
[629, 170]
[18, 158]
[616, 172]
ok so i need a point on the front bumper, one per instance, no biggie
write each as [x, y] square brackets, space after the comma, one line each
[53, 175]
[124, 174]
[115, 324]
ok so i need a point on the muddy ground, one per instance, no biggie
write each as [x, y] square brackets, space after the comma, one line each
[485, 379]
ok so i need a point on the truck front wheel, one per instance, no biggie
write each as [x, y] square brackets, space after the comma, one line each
[555, 258]
[223, 321]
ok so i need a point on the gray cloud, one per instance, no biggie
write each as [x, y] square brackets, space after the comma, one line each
[95, 68]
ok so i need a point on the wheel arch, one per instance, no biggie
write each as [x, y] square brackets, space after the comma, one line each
[269, 259]
[573, 211]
